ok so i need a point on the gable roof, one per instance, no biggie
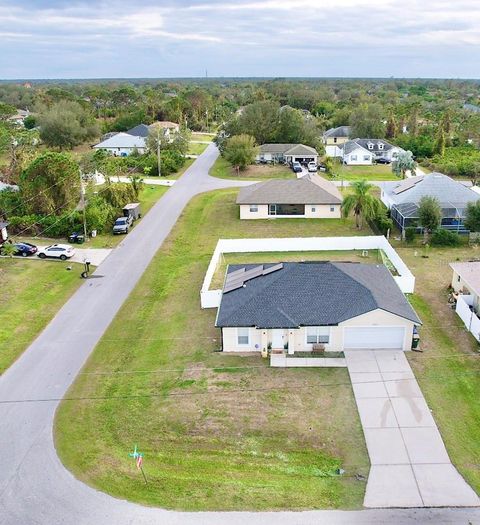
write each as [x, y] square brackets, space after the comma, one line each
[122, 140]
[374, 144]
[469, 272]
[312, 294]
[449, 192]
[287, 149]
[142, 130]
[341, 131]
[309, 189]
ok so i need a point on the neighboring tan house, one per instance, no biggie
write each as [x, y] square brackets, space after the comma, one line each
[166, 125]
[3, 231]
[403, 198]
[286, 153]
[364, 152]
[310, 197]
[466, 284]
[293, 306]
[122, 145]
[334, 137]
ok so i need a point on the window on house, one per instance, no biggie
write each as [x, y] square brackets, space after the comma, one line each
[332, 208]
[243, 336]
[458, 278]
[370, 145]
[318, 335]
[366, 157]
[380, 146]
[353, 157]
[334, 140]
[314, 210]
[253, 208]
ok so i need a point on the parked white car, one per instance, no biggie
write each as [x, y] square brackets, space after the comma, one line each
[312, 166]
[58, 251]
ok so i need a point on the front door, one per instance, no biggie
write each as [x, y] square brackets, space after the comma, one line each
[277, 339]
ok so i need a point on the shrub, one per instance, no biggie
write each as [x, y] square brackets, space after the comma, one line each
[442, 237]
[410, 234]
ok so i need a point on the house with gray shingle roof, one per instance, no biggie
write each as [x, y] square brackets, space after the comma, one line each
[310, 196]
[293, 306]
[363, 152]
[403, 198]
[334, 137]
[286, 153]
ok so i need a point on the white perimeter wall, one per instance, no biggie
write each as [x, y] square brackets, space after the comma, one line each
[470, 320]
[211, 298]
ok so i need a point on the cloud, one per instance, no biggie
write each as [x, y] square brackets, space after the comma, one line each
[240, 38]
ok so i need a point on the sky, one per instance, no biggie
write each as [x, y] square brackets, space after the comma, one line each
[239, 38]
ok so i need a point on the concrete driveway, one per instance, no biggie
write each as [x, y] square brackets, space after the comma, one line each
[410, 466]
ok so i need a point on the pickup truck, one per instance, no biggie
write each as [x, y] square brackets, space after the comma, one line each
[122, 225]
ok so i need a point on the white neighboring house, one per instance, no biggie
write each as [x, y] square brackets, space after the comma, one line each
[365, 152]
[466, 283]
[334, 137]
[122, 145]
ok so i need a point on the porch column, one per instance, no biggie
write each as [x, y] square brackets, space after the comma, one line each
[264, 340]
[291, 341]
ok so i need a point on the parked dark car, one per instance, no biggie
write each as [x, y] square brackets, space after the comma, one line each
[122, 225]
[383, 160]
[297, 167]
[321, 167]
[24, 249]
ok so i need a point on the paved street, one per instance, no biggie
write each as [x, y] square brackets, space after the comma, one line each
[35, 488]
[410, 465]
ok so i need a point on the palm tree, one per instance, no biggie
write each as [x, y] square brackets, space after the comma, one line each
[361, 202]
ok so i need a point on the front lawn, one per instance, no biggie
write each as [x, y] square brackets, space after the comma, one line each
[196, 149]
[378, 172]
[219, 432]
[205, 137]
[32, 293]
[224, 170]
[449, 369]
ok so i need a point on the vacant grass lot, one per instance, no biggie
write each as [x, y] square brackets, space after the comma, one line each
[32, 292]
[196, 149]
[207, 137]
[218, 431]
[449, 369]
[224, 170]
[374, 173]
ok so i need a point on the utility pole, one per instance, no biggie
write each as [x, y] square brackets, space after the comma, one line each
[82, 197]
[158, 151]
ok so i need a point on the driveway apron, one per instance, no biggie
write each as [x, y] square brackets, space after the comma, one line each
[410, 466]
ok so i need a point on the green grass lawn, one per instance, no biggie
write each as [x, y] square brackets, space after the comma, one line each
[196, 149]
[32, 293]
[214, 438]
[223, 170]
[200, 136]
[273, 257]
[448, 370]
[377, 172]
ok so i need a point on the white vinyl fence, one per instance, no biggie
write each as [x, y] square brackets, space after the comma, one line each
[211, 298]
[469, 318]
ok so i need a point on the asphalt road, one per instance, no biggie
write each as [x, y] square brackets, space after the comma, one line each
[35, 488]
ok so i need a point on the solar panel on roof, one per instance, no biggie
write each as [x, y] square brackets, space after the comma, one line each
[236, 272]
[231, 287]
[407, 184]
[272, 269]
[254, 272]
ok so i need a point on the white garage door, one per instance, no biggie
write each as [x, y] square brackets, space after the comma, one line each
[360, 337]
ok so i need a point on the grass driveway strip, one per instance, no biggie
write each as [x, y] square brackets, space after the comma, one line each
[219, 432]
